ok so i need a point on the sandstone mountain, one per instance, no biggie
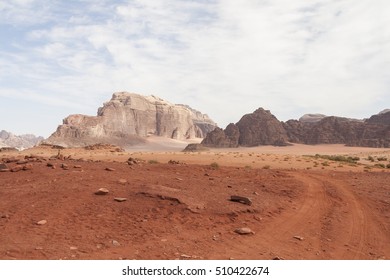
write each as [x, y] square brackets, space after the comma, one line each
[262, 128]
[8, 139]
[128, 118]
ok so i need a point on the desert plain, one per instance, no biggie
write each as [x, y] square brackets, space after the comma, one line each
[299, 202]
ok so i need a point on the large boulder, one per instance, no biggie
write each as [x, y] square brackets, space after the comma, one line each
[128, 118]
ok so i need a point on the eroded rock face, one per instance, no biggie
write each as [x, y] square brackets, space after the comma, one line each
[128, 118]
[228, 138]
[373, 132]
[262, 128]
[257, 128]
[8, 139]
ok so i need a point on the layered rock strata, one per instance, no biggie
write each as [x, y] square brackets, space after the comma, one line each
[128, 118]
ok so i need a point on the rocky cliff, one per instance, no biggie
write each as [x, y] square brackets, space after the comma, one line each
[8, 139]
[262, 128]
[128, 118]
[257, 128]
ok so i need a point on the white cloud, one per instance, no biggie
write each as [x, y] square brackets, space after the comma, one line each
[225, 58]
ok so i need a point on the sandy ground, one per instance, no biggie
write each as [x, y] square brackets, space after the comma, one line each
[302, 207]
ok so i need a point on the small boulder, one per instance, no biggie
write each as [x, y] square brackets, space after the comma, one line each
[244, 231]
[42, 222]
[16, 168]
[122, 181]
[28, 166]
[241, 199]
[300, 238]
[3, 167]
[102, 191]
[109, 169]
[120, 199]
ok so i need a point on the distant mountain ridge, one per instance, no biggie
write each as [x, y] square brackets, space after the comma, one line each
[8, 139]
[263, 128]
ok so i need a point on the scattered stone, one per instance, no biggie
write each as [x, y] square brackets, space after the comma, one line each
[73, 248]
[3, 166]
[173, 162]
[21, 162]
[115, 243]
[42, 222]
[244, 231]
[64, 166]
[132, 161]
[185, 256]
[50, 164]
[8, 149]
[102, 146]
[122, 181]
[109, 169]
[120, 199]
[38, 248]
[16, 168]
[277, 258]
[28, 166]
[10, 160]
[77, 166]
[179, 179]
[102, 191]
[300, 238]
[5, 216]
[241, 199]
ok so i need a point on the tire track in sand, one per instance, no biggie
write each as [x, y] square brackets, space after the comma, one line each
[334, 222]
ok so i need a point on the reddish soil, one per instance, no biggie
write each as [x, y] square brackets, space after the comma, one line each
[183, 211]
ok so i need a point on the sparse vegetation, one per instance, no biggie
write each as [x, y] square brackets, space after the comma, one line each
[214, 165]
[338, 158]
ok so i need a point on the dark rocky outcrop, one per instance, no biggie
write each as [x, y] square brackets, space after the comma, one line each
[262, 128]
[228, 138]
[257, 128]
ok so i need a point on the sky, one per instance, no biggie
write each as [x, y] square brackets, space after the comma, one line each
[225, 58]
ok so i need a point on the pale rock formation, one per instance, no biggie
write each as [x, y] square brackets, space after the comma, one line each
[8, 139]
[128, 118]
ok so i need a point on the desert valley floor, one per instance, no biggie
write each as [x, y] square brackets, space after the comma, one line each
[175, 205]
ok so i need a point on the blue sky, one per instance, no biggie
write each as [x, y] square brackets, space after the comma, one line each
[224, 58]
